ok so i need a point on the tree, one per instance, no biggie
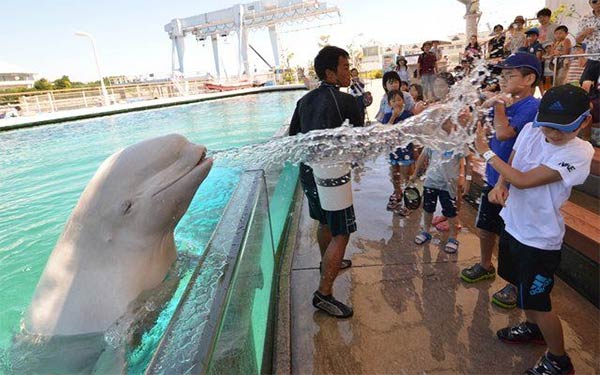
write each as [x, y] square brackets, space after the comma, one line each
[356, 55]
[42, 84]
[63, 83]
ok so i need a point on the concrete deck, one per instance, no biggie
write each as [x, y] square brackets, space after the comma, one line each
[412, 313]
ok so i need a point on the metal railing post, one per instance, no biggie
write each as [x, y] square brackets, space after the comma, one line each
[566, 57]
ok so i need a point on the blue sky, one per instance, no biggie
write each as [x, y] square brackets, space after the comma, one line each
[38, 35]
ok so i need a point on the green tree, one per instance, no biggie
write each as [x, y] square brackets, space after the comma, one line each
[42, 84]
[63, 83]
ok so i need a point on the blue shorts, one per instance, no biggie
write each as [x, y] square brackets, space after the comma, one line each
[403, 155]
[430, 197]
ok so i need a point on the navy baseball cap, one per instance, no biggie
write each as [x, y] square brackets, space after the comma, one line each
[533, 30]
[563, 108]
[522, 60]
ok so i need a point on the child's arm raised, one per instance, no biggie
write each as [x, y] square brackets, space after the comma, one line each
[499, 194]
[501, 123]
[538, 176]
[466, 171]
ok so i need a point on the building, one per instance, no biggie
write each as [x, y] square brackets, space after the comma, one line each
[450, 50]
[12, 76]
[371, 57]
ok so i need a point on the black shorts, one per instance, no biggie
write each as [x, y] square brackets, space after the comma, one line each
[430, 197]
[530, 269]
[339, 222]
[590, 72]
[488, 214]
[596, 111]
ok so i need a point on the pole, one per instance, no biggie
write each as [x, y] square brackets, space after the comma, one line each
[102, 86]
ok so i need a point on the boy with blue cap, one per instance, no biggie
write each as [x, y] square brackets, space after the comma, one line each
[514, 107]
[532, 44]
[547, 160]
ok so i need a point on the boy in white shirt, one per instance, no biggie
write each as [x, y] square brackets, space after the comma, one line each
[547, 161]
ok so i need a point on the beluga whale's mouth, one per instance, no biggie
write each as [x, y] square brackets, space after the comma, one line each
[202, 161]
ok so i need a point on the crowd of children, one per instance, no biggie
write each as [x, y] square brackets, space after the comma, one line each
[534, 148]
[533, 158]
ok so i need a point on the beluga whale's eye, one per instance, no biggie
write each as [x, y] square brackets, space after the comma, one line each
[126, 207]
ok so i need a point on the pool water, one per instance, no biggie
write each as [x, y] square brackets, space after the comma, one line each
[43, 171]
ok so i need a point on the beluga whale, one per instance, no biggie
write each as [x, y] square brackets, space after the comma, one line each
[117, 246]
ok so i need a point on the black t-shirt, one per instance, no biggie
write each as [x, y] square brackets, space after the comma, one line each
[496, 47]
[317, 110]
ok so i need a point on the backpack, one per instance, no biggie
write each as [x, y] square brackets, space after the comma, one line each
[367, 98]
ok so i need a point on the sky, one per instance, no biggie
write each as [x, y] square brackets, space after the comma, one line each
[130, 38]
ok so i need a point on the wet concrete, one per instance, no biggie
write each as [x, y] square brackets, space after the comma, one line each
[412, 313]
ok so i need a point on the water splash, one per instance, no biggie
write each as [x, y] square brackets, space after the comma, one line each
[360, 144]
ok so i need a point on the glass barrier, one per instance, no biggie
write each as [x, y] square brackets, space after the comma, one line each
[223, 321]
[239, 346]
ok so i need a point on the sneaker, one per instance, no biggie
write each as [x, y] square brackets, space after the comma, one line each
[523, 333]
[506, 297]
[331, 305]
[477, 273]
[547, 366]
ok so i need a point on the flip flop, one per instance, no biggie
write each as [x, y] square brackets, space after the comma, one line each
[422, 238]
[451, 246]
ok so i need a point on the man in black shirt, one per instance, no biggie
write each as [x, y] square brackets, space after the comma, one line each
[326, 107]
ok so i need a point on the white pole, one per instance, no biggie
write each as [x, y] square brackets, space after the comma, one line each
[102, 86]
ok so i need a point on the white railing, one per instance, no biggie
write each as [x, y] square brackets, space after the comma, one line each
[36, 102]
[549, 59]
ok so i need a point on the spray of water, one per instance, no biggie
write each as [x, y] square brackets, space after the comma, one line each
[360, 144]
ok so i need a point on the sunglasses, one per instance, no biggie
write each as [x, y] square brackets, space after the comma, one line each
[594, 1]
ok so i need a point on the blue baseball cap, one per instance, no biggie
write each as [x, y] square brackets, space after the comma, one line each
[563, 108]
[522, 60]
[533, 30]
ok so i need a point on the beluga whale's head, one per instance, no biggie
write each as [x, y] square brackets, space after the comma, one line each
[145, 188]
[119, 239]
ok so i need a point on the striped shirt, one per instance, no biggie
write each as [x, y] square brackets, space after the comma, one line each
[575, 70]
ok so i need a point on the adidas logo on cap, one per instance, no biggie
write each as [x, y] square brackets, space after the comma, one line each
[556, 107]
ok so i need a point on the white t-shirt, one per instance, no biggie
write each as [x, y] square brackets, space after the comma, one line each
[532, 216]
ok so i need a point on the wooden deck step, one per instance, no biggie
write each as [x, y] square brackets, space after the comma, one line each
[582, 230]
[586, 201]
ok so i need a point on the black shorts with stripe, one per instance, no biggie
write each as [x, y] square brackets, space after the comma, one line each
[530, 269]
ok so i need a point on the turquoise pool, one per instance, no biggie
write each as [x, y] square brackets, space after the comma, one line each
[43, 170]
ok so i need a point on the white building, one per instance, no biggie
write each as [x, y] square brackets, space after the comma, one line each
[371, 58]
[12, 76]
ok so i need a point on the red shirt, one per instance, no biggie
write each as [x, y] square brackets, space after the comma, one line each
[427, 62]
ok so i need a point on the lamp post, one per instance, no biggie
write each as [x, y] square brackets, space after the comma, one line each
[102, 86]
